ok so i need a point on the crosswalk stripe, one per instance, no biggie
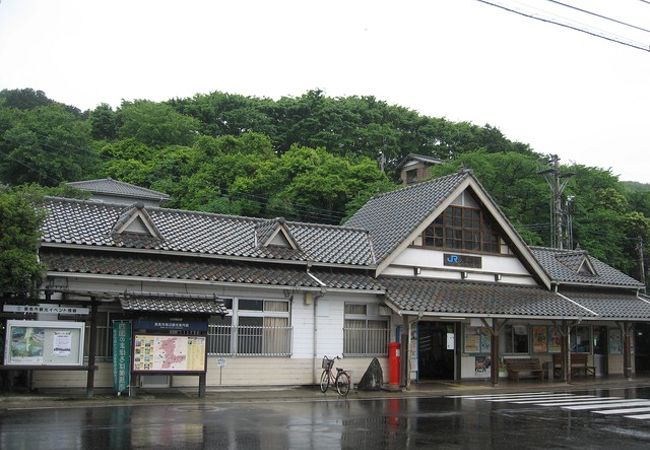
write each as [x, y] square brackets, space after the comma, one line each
[624, 410]
[593, 401]
[606, 405]
[541, 399]
[577, 398]
[571, 402]
[639, 416]
[520, 394]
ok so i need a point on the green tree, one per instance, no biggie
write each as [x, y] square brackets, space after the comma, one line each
[155, 124]
[19, 238]
[103, 122]
[46, 144]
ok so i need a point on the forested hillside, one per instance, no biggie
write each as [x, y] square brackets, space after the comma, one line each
[310, 158]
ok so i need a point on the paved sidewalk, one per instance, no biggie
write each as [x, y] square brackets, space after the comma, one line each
[49, 398]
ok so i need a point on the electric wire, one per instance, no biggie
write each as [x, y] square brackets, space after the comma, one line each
[591, 13]
[612, 38]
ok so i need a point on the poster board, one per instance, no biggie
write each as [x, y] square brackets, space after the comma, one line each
[476, 340]
[44, 343]
[540, 339]
[169, 353]
[615, 341]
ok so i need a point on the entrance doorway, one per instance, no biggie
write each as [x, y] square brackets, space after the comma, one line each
[600, 351]
[642, 347]
[435, 361]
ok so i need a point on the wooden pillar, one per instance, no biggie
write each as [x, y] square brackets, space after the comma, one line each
[566, 353]
[92, 349]
[627, 350]
[494, 350]
[404, 353]
[202, 385]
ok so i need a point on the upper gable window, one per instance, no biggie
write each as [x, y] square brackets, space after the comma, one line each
[462, 228]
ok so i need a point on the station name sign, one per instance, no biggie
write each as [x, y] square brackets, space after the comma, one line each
[46, 309]
[455, 260]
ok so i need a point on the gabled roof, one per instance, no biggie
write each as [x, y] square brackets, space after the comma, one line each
[577, 262]
[135, 214]
[267, 230]
[395, 218]
[420, 296]
[87, 223]
[563, 267]
[119, 188]
[392, 216]
[418, 157]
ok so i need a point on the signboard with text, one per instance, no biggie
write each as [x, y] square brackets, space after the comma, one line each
[455, 260]
[121, 355]
[168, 353]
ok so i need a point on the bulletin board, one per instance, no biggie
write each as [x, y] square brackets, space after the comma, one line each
[44, 343]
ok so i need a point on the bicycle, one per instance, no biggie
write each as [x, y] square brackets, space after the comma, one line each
[341, 381]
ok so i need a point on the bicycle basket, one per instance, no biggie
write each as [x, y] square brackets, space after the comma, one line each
[327, 363]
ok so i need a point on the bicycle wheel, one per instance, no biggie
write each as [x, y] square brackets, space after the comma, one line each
[342, 384]
[324, 381]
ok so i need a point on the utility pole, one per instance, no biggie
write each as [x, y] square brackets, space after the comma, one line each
[557, 182]
[639, 249]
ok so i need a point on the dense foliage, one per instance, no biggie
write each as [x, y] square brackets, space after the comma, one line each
[19, 236]
[311, 158]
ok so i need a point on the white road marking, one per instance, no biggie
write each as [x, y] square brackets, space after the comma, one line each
[623, 411]
[607, 405]
[639, 416]
[558, 399]
[534, 398]
[605, 400]
[482, 396]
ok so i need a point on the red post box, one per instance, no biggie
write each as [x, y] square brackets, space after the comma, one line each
[393, 363]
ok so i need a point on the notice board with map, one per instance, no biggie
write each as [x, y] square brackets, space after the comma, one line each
[169, 353]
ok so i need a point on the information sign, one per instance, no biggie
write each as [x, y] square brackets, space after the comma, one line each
[121, 355]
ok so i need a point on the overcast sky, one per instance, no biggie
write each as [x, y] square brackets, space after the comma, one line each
[559, 90]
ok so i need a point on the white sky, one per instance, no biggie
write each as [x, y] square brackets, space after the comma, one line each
[561, 91]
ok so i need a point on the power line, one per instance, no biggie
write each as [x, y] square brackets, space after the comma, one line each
[575, 8]
[611, 38]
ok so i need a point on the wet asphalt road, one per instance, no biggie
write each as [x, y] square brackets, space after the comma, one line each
[536, 420]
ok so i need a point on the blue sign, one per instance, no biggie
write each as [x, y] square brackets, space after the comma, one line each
[452, 259]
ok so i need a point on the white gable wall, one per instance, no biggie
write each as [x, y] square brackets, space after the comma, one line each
[431, 264]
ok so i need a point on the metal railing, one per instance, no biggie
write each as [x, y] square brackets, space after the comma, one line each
[248, 340]
[365, 341]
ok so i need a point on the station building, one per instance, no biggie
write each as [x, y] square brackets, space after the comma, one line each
[435, 266]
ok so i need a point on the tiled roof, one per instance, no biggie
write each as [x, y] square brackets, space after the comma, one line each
[202, 270]
[611, 305]
[463, 298]
[418, 157]
[120, 188]
[392, 216]
[554, 261]
[172, 303]
[90, 223]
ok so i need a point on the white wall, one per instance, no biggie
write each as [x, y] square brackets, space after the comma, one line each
[431, 263]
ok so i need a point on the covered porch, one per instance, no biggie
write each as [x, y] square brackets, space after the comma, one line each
[480, 329]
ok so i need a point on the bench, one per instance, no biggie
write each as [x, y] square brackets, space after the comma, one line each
[524, 367]
[579, 365]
